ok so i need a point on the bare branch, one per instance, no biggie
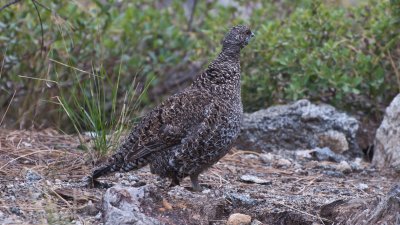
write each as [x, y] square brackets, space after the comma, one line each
[41, 25]
[9, 4]
[189, 26]
[43, 6]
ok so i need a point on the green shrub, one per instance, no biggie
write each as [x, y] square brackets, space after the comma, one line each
[325, 54]
[345, 56]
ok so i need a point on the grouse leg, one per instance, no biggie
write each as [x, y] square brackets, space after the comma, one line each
[195, 182]
[174, 182]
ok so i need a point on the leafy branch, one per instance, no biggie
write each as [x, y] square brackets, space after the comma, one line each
[35, 3]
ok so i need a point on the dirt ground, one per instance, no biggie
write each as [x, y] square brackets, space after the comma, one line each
[41, 173]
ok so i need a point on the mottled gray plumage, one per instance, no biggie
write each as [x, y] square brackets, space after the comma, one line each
[192, 129]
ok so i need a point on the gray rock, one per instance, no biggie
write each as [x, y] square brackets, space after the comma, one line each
[32, 176]
[36, 195]
[132, 178]
[256, 222]
[343, 167]
[387, 140]
[253, 179]
[89, 209]
[334, 140]
[241, 199]
[333, 173]
[301, 125]
[325, 154]
[122, 205]
[356, 165]
[16, 210]
[283, 163]
[362, 186]
[267, 158]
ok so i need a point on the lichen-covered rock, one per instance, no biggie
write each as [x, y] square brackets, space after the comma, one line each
[301, 125]
[387, 140]
[334, 140]
[122, 205]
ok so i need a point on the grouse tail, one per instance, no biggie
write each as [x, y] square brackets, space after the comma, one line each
[118, 163]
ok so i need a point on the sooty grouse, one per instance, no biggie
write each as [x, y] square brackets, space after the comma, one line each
[193, 129]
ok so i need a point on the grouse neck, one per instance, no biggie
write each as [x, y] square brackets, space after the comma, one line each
[232, 51]
[222, 77]
[226, 58]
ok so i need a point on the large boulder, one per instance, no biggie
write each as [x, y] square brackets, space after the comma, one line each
[387, 140]
[301, 125]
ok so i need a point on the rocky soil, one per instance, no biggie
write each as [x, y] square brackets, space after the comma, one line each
[41, 176]
[293, 164]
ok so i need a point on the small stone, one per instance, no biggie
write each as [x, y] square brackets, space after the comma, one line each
[196, 217]
[356, 165]
[333, 173]
[298, 166]
[241, 199]
[98, 216]
[36, 195]
[334, 140]
[301, 172]
[32, 176]
[26, 144]
[358, 161]
[132, 178]
[256, 222]
[57, 181]
[344, 167]
[125, 183]
[239, 219]
[89, 209]
[267, 158]
[206, 191]
[326, 154]
[16, 210]
[303, 154]
[362, 186]
[253, 179]
[91, 134]
[283, 163]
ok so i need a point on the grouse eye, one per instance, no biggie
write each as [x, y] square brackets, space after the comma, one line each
[248, 32]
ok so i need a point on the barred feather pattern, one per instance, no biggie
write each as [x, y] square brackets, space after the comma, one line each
[193, 129]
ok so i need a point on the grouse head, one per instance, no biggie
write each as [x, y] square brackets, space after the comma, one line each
[238, 37]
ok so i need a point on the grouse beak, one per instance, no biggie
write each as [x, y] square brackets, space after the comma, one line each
[249, 38]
